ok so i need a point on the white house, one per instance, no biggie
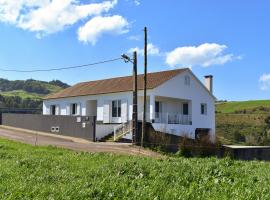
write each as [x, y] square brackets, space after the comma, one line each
[177, 103]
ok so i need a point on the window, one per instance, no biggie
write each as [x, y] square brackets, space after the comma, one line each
[73, 109]
[187, 80]
[203, 109]
[185, 108]
[116, 108]
[52, 109]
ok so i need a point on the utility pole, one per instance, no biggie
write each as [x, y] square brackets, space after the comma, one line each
[144, 87]
[135, 101]
[135, 95]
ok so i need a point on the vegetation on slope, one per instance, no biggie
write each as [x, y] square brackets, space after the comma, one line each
[28, 93]
[21, 93]
[245, 129]
[30, 85]
[243, 122]
[51, 173]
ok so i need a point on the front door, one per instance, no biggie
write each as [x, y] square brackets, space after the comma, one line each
[158, 111]
[185, 113]
[185, 109]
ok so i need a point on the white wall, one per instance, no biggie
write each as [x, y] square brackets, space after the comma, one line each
[197, 93]
[176, 129]
[83, 101]
[103, 129]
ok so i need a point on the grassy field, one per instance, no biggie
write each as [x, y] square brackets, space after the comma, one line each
[28, 172]
[255, 107]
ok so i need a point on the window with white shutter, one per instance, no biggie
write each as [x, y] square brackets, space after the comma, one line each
[124, 110]
[78, 112]
[106, 112]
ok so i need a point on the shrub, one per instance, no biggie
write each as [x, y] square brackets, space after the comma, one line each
[202, 147]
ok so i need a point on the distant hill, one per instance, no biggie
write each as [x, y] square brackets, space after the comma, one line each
[27, 93]
[244, 107]
[243, 122]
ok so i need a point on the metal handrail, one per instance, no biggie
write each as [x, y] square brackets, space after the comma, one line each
[121, 130]
[173, 118]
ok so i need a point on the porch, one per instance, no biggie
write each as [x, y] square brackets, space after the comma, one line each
[166, 110]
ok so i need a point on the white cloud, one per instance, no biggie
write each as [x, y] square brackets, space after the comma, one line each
[49, 16]
[97, 26]
[57, 14]
[264, 81]
[204, 55]
[135, 37]
[151, 50]
[137, 3]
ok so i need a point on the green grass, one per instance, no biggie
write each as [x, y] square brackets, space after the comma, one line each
[28, 172]
[250, 106]
[21, 93]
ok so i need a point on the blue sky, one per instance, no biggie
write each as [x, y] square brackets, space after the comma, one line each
[228, 39]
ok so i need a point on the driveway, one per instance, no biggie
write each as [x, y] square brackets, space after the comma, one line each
[45, 140]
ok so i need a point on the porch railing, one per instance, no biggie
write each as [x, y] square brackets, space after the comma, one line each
[173, 118]
[168, 118]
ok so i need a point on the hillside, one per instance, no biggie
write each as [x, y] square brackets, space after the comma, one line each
[251, 107]
[243, 122]
[28, 93]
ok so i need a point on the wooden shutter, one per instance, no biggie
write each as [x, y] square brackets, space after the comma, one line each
[78, 109]
[124, 110]
[106, 112]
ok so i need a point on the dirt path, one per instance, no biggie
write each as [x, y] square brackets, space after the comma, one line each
[41, 140]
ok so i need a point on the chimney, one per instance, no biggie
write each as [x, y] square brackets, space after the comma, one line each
[209, 83]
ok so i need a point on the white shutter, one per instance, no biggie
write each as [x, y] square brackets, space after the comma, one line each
[68, 109]
[124, 110]
[106, 112]
[78, 109]
[57, 110]
[48, 110]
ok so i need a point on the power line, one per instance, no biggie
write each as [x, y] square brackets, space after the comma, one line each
[61, 68]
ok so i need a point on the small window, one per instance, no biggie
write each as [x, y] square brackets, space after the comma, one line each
[203, 109]
[73, 109]
[52, 109]
[187, 80]
[185, 109]
[116, 108]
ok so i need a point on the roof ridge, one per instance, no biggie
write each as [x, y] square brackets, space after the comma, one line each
[179, 69]
[116, 84]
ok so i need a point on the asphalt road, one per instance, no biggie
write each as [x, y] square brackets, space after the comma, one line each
[41, 140]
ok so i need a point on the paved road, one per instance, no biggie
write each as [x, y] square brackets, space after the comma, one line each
[42, 140]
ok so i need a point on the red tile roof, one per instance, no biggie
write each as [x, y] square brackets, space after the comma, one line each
[113, 85]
